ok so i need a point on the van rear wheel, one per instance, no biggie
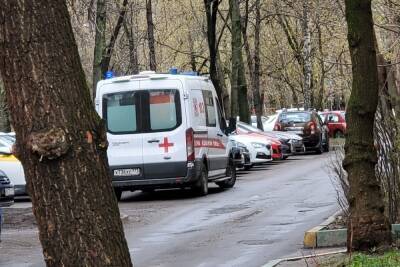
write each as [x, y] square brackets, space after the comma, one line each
[230, 172]
[118, 193]
[201, 187]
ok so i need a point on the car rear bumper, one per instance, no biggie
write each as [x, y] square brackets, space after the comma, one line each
[6, 200]
[20, 190]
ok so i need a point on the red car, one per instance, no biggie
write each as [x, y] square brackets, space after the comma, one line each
[336, 122]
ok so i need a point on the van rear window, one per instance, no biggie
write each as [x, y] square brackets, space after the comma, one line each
[120, 112]
[142, 111]
[163, 109]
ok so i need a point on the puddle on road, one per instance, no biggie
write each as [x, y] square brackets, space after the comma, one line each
[228, 209]
[260, 242]
[313, 205]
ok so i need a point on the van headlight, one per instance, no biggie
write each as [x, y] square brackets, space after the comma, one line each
[257, 145]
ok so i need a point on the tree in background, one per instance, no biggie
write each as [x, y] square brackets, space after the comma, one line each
[368, 226]
[61, 140]
[150, 36]
[239, 99]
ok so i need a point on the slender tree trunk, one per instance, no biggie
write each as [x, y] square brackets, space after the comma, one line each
[105, 61]
[307, 67]
[258, 97]
[211, 7]
[368, 225]
[150, 35]
[61, 141]
[99, 43]
[239, 99]
[320, 100]
[192, 56]
[133, 52]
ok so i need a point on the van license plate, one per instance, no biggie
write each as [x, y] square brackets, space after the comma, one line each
[9, 192]
[127, 172]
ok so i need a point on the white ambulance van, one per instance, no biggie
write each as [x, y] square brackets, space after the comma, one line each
[165, 131]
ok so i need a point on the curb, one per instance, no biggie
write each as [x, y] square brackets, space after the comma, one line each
[311, 236]
[274, 263]
[319, 238]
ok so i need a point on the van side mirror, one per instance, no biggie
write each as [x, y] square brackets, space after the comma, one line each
[232, 126]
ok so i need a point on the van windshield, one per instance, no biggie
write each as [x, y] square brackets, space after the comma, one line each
[142, 111]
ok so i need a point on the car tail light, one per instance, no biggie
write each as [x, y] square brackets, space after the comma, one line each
[312, 127]
[190, 144]
[277, 127]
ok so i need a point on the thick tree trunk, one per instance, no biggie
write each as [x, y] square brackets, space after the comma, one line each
[307, 67]
[150, 35]
[368, 225]
[99, 43]
[61, 141]
[239, 99]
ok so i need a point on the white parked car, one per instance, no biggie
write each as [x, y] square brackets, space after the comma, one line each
[259, 149]
[165, 130]
[10, 165]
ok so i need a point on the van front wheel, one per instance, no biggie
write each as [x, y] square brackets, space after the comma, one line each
[201, 187]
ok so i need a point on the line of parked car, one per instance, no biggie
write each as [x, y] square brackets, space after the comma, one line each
[169, 131]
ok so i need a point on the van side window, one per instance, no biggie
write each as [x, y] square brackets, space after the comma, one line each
[211, 117]
[222, 122]
[120, 112]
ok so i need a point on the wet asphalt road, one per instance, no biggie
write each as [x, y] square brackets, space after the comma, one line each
[262, 218]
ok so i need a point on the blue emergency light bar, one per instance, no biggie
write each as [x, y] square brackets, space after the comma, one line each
[109, 74]
[175, 71]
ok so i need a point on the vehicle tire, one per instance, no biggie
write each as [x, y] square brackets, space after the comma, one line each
[201, 187]
[231, 172]
[247, 167]
[338, 134]
[118, 193]
[320, 148]
[326, 146]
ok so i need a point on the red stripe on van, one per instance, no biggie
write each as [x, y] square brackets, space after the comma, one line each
[208, 142]
[161, 99]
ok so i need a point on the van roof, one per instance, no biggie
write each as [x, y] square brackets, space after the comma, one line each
[150, 75]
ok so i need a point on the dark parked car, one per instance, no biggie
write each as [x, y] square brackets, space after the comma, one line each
[308, 125]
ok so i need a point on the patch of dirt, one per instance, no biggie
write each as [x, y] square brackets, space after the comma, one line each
[18, 218]
[340, 222]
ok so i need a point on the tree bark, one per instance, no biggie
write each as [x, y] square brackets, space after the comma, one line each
[211, 7]
[307, 67]
[368, 225]
[61, 141]
[5, 125]
[150, 35]
[99, 43]
[239, 99]
[106, 58]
